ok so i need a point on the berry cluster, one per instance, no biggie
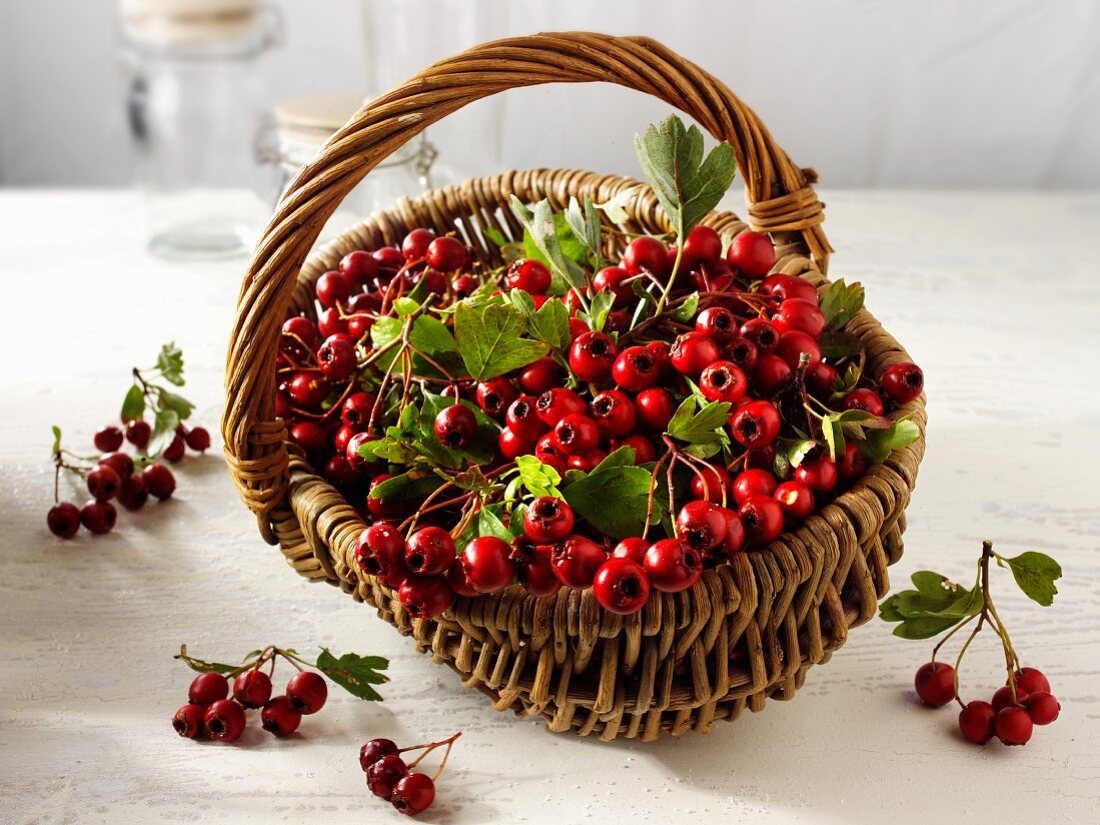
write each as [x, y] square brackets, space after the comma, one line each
[939, 604]
[660, 410]
[391, 778]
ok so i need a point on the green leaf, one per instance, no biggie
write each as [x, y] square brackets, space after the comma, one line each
[702, 426]
[619, 457]
[177, 403]
[201, 666]
[833, 434]
[923, 627]
[489, 524]
[412, 484]
[432, 336]
[598, 310]
[839, 303]
[56, 439]
[550, 323]
[539, 479]
[615, 209]
[133, 405]
[1035, 573]
[546, 230]
[495, 235]
[164, 430]
[489, 340]
[686, 311]
[584, 223]
[878, 444]
[838, 344]
[170, 364]
[846, 383]
[354, 673]
[386, 330]
[614, 500]
[799, 450]
[405, 306]
[687, 185]
[472, 479]
[389, 448]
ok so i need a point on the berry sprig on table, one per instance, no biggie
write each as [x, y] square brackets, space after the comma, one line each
[660, 403]
[939, 604]
[389, 777]
[118, 476]
[209, 711]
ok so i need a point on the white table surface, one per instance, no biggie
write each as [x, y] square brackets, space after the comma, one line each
[997, 295]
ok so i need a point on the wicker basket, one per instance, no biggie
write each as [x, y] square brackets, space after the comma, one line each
[746, 631]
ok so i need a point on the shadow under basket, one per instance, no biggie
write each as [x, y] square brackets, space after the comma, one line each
[746, 631]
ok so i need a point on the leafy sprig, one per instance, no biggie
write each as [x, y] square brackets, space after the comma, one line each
[146, 396]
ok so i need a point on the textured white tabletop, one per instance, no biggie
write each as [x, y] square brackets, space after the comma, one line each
[996, 295]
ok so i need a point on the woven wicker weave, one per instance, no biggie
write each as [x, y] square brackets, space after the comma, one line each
[746, 631]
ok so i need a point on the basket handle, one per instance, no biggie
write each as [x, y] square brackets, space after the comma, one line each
[779, 194]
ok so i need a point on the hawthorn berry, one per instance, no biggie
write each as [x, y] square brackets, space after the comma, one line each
[358, 267]
[610, 279]
[447, 254]
[782, 287]
[818, 473]
[771, 374]
[712, 483]
[1032, 680]
[801, 315]
[534, 564]
[591, 356]
[761, 333]
[310, 437]
[631, 548]
[529, 275]
[374, 750]
[132, 493]
[644, 451]
[793, 344]
[512, 445]
[614, 414]
[976, 721]
[138, 433]
[415, 245]
[762, 518]
[252, 689]
[556, 403]
[307, 691]
[413, 794]
[723, 381]
[621, 585]
[455, 426]
[336, 357]
[1042, 707]
[494, 395]
[576, 434]
[280, 716]
[1013, 726]
[108, 439]
[425, 597]
[693, 352]
[935, 683]
[120, 463]
[429, 551]
[197, 439]
[174, 451]
[902, 382]
[635, 369]
[188, 721]
[98, 516]
[742, 352]
[159, 481]
[717, 323]
[646, 254]
[332, 289]
[863, 399]
[701, 524]
[540, 376]
[486, 564]
[796, 499]
[385, 773]
[63, 520]
[701, 246]
[575, 560]
[755, 424]
[672, 565]
[751, 254]
[224, 720]
[753, 482]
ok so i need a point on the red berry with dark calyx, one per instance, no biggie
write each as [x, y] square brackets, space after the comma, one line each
[693, 352]
[646, 254]
[103, 482]
[935, 683]
[655, 408]
[1013, 726]
[792, 345]
[188, 721]
[415, 245]
[357, 410]
[631, 548]
[159, 481]
[742, 352]
[413, 794]
[280, 717]
[556, 403]
[252, 689]
[63, 520]
[591, 356]
[540, 376]
[1042, 707]
[464, 286]
[138, 433]
[772, 374]
[614, 414]
[621, 586]
[660, 351]
[426, 597]
[636, 369]
[534, 564]
[358, 267]
[701, 524]
[753, 482]
[548, 520]
[447, 255]
[755, 424]
[495, 395]
[332, 289]
[575, 560]
[455, 426]
[309, 436]
[818, 473]
[529, 275]
[385, 773]
[796, 499]
[380, 551]
[336, 357]
[374, 750]
[751, 253]
[576, 434]
[207, 688]
[723, 381]
[429, 551]
[762, 333]
[712, 483]
[307, 691]
[718, 323]
[1032, 680]
[174, 451]
[132, 493]
[548, 450]
[197, 439]
[852, 464]
[702, 246]
[762, 518]
[108, 439]
[522, 418]
[902, 382]
[610, 279]
[863, 399]
[672, 565]
[512, 445]
[98, 516]
[976, 721]
[224, 720]
[486, 564]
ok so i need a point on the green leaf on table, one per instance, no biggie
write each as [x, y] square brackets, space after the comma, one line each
[489, 340]
[56, 439]
[1035, 573]
[879, 443]
[839, 303]
[133, 405]
[615, 209]
[935, 605]
[838, 344]
[547, 237]
[177, 403]
[354, 673]
[686, 311]
[201, 666]
[614, 500]
[923, 627]
[170, 364]
[687, 185]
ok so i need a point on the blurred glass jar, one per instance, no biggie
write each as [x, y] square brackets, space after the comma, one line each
[299, 127]
[195, 101]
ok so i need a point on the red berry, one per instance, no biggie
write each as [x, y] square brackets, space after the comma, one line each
[310, 437]
[755, 424]
[494, 395]
[103, 482]
[98, 516]
[631, 548]
[413, 794]
[644, 451]
[456, 579]
[1003, 698]
[120, 463]
[548, 520]
[782, 287]
[577, 434]
[610, 279]
[853, 464]
[1013, 726]
[108, 439]
[712, 483]
[63, 520]
[280, 716]
[575, 560]
[819, 474]
[374, 750]
[188, 721]
[762, 518]
[771, 374]
[207, 688]
[425, 597]
[513, 445]
[465, 286]
[672, 565]
[389, 260]
[522, 419]
[693, 352]
[358, 267]
[723, 381]
[455, 426]
[761, 333]
[252, 689]
[385, 773]
[863, 399]
[336, 357]
[1042, 707]
[380, 551]
[447, 255]
[535, 567]
[742, 352]
[132, 493]
[646, 254]
[359, 325]
[821, 379]
[339, 472]
[174, 451]
[718, 323]
[357, 410]
[307, 691]
[540, 376]
[701, 524]
[529, 275]
[735, 534]
[796, 499]
[352, 445]
[935, 683]
[799, 314]
[792, 345]
[753, 482]
[487, 565]
[138, 433]
[621, 586]
[332, 289]
[331, 322]
[159, 481]
[636, 369]
[614, 414]
[752, 254]
[591, 356]
[224, 720]
[429, 551]
[701, 246]
[197, 439]
[902, 382]
[655, 408]
[298, 332]
[415, 245]
[549, 450]
[555, 404]
[976, 721]
[1032, 680]
[308, 389]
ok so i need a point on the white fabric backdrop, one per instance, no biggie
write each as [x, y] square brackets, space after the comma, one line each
[888, 93]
